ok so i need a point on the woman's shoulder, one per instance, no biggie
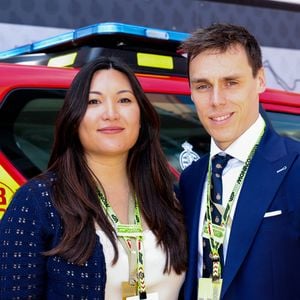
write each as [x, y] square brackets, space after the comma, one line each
[39, 184]
[32, 205]
[36, 193]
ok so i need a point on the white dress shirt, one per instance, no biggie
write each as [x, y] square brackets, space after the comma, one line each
[239, 150]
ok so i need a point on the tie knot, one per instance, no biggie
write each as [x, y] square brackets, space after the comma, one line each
[219, 162]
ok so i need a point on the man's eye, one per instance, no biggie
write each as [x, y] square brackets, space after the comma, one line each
[232, 82]
[202, 87]
[94, 101]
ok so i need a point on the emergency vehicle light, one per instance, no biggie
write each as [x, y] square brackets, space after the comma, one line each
[146, 50]
[110, 28]
[96, 29]
[15, 51]
[59, 39]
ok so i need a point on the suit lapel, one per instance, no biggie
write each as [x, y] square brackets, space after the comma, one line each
[194, 215]
[256, 196]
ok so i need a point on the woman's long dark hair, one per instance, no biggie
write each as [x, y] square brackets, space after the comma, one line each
[74, 191]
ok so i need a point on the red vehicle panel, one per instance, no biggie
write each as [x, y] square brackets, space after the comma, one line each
[24, 120]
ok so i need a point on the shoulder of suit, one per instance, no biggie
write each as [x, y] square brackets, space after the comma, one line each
[292, 144]
[198, 165]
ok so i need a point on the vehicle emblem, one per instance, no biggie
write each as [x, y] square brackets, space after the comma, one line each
[187, 156]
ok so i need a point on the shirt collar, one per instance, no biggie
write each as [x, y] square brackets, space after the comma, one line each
[241, 148]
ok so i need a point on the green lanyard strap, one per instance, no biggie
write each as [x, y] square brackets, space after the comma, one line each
[214, 232]
[127, 232]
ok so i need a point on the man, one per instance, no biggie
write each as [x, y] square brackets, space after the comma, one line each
[244, 241]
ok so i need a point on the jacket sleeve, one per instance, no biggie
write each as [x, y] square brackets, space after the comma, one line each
[22, 240]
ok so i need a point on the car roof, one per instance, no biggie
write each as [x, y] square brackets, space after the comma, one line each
[15, 75]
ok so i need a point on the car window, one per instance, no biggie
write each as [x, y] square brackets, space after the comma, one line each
[286, 124]
[27, 120]
[183, 138]
[28, 117]
[33, 129]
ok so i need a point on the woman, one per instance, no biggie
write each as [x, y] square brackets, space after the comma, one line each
[102, 222]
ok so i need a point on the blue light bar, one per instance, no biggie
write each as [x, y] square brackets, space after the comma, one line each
[96, 29]
[110, 28]
[53, 41]
[15, 51]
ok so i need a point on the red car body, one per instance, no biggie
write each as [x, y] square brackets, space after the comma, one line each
[14, 77]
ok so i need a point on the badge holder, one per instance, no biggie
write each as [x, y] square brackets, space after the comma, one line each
[208, 289]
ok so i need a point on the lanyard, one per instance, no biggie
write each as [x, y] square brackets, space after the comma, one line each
[216, 233]
[126, 233]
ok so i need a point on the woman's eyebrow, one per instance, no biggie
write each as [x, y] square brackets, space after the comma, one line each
[119, 92]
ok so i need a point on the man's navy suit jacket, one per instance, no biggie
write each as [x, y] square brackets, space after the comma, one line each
[263, 256]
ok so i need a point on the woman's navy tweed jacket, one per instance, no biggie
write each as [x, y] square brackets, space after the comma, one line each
[30, 226]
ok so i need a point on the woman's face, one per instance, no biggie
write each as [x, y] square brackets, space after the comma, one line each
[110, 126]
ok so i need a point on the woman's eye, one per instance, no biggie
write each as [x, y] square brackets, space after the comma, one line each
[94, 101]
[125, 100]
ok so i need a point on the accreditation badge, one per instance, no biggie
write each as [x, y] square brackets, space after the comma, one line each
[209, 290]
[217, 234]
[150, 296]
[128, 289]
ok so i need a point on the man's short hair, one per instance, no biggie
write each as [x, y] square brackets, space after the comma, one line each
[221, 37]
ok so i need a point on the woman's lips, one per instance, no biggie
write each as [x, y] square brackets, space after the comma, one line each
[111, 129]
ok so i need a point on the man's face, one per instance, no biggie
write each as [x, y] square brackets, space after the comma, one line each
[225, 93]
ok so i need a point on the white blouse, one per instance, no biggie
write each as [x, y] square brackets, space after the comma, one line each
[166, 285]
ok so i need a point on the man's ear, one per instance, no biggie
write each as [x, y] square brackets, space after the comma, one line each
[263, 113]
[192, 98]
[261, 80]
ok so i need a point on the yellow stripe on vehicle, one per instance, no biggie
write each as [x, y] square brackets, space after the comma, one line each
[62, 60]
[155, 61]
[8, 186]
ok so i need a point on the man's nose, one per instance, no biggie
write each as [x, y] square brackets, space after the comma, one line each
[217, 96]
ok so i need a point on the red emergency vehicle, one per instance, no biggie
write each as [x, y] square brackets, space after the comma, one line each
[30, 96]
